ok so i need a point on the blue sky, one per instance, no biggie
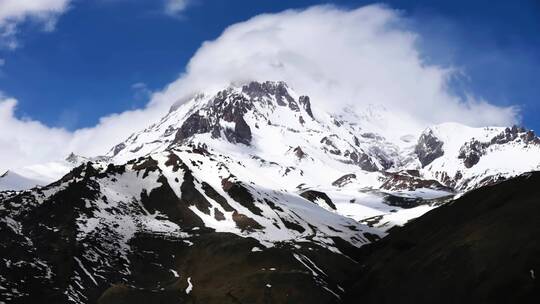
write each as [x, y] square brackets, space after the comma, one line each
[87, 67]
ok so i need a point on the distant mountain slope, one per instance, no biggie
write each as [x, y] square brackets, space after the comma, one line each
[41, 174]
[482, 248]
[13, 181]
[465, 158]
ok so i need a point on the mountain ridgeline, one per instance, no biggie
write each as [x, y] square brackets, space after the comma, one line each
[254, 194]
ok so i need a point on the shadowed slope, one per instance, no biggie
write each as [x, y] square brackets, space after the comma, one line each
[482, 248]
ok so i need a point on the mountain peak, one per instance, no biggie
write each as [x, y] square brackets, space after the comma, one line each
[224, 115]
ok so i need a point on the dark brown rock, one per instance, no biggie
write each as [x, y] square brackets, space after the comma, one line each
[313, 195]
[306, 104]
[344, 180]
[428, 148]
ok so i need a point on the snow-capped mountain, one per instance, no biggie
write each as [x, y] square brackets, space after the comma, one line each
[253, 171]
[291, 144]
[285, 141]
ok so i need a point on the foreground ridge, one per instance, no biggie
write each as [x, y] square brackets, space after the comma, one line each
[481, 248]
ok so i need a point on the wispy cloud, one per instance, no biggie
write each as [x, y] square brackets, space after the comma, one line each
[141, 91]
[14, 12]
[175, 7]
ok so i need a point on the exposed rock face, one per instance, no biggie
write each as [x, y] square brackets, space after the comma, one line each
[363, 161]
[516, 133]
[240, 194]
[372, 136]
[194, 124]
[231, 107]
[410, 180]
[353, 155]
[242, 131]
[257, 91]
[192, 218]
[118, 148]
[314, 196]
[73, 158]
[402, 201]
[386, 161]
[344, 180]
[240, 114]
[472, 151]
[225, 107]
[330, 146]
[428, 148]
[306, 104]
[299, 153]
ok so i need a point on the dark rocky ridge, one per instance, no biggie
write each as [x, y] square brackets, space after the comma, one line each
[45, 258]
[411, 180]
[481, 248]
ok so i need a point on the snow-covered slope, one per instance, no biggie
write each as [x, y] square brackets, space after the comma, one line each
[284, 142]
[465, 158]
[13, 181]
[267, 120]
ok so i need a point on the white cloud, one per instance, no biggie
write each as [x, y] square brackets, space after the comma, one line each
[174, 7]
[13, 12]
[24, 141]
[338, 57]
